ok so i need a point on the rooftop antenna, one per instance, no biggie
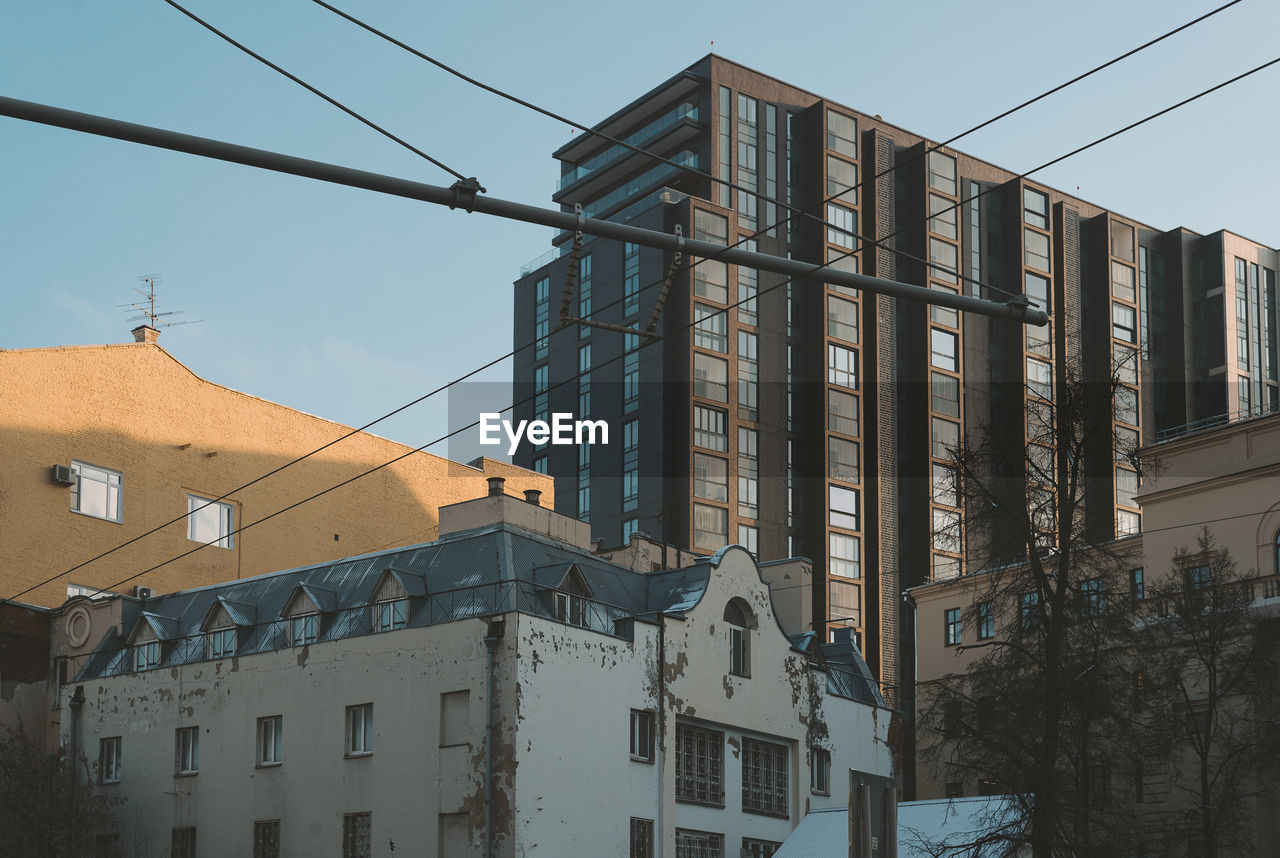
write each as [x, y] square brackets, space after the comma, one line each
[146, 308]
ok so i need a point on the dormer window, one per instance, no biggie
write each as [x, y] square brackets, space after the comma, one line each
[569, 593]
[390, 614]
[146, 655]
[304, 629]
[221, 642]
[391, 600]
[569, 608]
[740, 620]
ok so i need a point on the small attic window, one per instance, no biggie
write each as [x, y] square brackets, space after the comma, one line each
[740, 620]
[304, 629]
[221, 642]
[569, 601]
[390, 604]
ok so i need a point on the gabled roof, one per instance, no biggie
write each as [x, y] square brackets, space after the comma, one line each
[240, 614]
[562, 576]
[165, 628]
[413, 584]
[324, 600]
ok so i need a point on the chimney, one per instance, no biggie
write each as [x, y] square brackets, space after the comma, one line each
[533, 496]
[495, 486]
[145, 334]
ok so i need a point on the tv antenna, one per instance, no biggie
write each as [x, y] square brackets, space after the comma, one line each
[146, 308]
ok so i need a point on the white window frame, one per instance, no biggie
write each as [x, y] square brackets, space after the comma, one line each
[304, 628]
[186, 751]
[207, 513]
[221, 642]
[765, 784]
[359, 730]
[271, 740]
[642, 723]
[113, 487]
[146, 655]
[390, 614]
[109, 760]
[819, 771]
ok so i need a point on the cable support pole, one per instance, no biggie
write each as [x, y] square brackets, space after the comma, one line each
[464, 194]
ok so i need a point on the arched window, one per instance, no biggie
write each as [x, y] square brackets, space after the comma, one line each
[739, 618]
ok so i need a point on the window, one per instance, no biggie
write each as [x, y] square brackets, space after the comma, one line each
[360, 730]
[942, 173]
[710, 377]
[842, 134]
[455, 718]
[710, 527]
[842, 366]
[842, 319]
[843, 506]
[266, 838]
[96, 491]
[630, 527]
[183, 843]
[820, 771]
[708, 429]
[1124, 323]
[146, 656]
[954, 632]
[1039, 378]
[1122, 282]
[942, 216]
[270, 740]
[842, 412]
[1029, 610]
[1036, 288]
[391, 614]
[710, 477]
[764, 778]
[943, 257]
[698, 844]
[986, 621]
[844, 602]
[699, 765]
[709, 328]
[945, 438]
[943, 347]
[710, 280]
[357, 835]
[304, 629]
[749, 538]
[221, 643]
[846, 555]
[1199, 578]
[842, 226]
[1126, 487]
[752, 848]
[641, 736]
[209, 521]
[944, 394]
[842, 180]
[1093, 602]
[570, 608]
[1035, 208]
[735, 614]
[109, 760]
[187, 750]
[641, 838]
[842, 460]
[1036, 250]
[1135, 584]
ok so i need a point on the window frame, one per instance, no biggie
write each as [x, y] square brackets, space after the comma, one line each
[642, 744]
[200, 508]
[186, 751]
[266, 838]
[359, 735]
[221, 642]
[356, 843]
[766, 783]
[113, 499]
[385, 617]
[953, 627]
[270, 735]
[109, 772]
[819, 771]
[704, 783]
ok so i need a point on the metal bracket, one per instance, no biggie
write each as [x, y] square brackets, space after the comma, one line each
[464, 192]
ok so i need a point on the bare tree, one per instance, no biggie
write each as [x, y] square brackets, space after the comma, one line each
[47, 808]
[1212, 703]
[1041, 715]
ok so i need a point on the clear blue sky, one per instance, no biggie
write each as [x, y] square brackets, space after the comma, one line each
[345, 304]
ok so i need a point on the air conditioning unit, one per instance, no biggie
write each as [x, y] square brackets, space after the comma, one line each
[62, 475]
[143, 592]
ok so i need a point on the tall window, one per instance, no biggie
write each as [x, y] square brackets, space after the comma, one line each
[710, 477]
[986, 621]
[708, 429]
[304, 629]
[631, 279]
[710, 527]
[699, 765]
[96, 491]
[109, 760]
[736, 616]
[270, 740]
[710, 377]
[842, 366]
[1029, 610]
[146, 655]
[221, 643]
[187, 750]
[1092, 599]
[820, 771]
[953, 627]
[764, 778]
[699, 844]
[542, 323]
[642, 735]
[360, 730]
[210, 522]
[183, 843]
[641, 838]
[266, 838]
[390, 614]
[357, 835]
[1135, 584]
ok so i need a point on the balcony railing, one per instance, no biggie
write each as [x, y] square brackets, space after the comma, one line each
[644, 135]
[1208, 423]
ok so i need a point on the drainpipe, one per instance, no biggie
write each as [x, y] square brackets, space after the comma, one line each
[76, 703]
[492, 638]
[658, 836]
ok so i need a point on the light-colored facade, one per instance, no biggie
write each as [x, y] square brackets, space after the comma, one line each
[648, 713]
[1221, 475]
[139, 436]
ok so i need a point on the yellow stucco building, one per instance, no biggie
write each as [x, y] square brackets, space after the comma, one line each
[100, 444]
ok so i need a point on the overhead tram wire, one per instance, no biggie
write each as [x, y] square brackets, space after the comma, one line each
[645, 344]
[792, 210]
[347, 110]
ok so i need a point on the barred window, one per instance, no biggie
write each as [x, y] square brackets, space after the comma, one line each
[698, 844]
[752, 848]
[357, 835]
[641, 838]
[699, 766]
[266, 838]
[183, 843]
[764, 778]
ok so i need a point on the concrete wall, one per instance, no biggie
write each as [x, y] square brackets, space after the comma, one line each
[135, 409]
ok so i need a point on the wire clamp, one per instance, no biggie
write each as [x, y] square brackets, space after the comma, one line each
[679, 255]
[464, 193]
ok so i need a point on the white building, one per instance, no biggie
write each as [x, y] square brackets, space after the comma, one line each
[500, 692]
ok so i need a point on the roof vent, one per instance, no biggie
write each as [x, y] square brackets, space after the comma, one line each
[533, 496]
[495, 486]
